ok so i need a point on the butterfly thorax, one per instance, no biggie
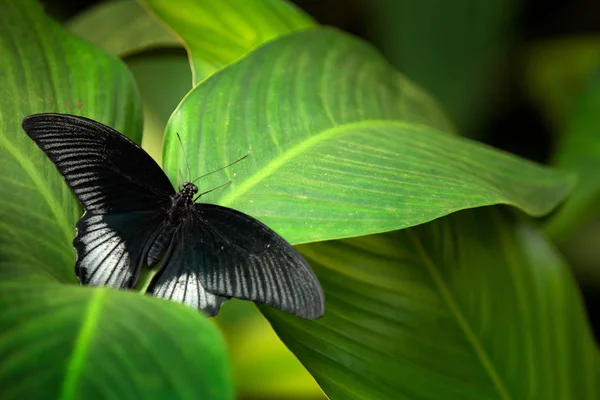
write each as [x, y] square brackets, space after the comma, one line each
[182, 203]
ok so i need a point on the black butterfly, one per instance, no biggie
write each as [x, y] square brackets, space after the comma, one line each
[133, 216]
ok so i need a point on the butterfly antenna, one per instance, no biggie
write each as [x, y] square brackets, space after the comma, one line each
[212, 190]
[178, 180]
[187, 162]
[227, 166]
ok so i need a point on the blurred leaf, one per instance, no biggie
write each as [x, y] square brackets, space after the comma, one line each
[62, 341]
[555, 73]
[122, 27]
[471, 306]
[583, 254]
[67, 342]
[340, 145]
[164, 78]
[453, 49]
[579, 151]
[263, 367]
[217, 33]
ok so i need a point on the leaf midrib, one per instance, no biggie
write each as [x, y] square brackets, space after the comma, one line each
[278, 162]
[455, 310]
[81, 345]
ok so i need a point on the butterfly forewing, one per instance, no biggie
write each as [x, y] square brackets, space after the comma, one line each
[107, 172]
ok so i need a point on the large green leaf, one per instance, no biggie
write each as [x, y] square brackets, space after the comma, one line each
[217, 33]
[579, 151]
[340, 144]
[471, 306]
[122, 27]
[68, 342]
[61, 340]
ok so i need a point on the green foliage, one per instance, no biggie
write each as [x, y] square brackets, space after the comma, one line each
[226, 30]
[579, 151]
[471, 306]
[340, 144]
[68, 342]
[58, 340]
[434, 289]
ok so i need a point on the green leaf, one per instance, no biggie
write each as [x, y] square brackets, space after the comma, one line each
[68, 342]
[579, 151]
[218, 33]
[122, 27]
[340, 144]
[471, 306]
[64, 341]
[46, 69]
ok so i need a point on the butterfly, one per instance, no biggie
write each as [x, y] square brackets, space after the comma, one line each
[133, 218]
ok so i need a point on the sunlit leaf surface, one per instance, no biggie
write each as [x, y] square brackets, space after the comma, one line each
[579, 151]
[339, 144]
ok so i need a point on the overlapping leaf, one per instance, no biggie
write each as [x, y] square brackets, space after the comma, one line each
[217, 33]
[122, 27]
[471, 306]
[68, 342]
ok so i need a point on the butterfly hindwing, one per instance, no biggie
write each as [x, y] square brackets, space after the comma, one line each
[231, 254]
[179, 278]
[111, 248]
[107, 172]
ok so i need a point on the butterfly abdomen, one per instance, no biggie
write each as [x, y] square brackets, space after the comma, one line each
[182, 205]
[160, 246]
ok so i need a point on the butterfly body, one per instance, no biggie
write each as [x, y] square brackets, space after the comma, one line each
[134, 218]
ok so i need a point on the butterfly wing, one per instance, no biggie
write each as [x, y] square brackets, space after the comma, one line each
[230, 254]
[179, 279]
[111, 248]
[107, 172]
[122, 189]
